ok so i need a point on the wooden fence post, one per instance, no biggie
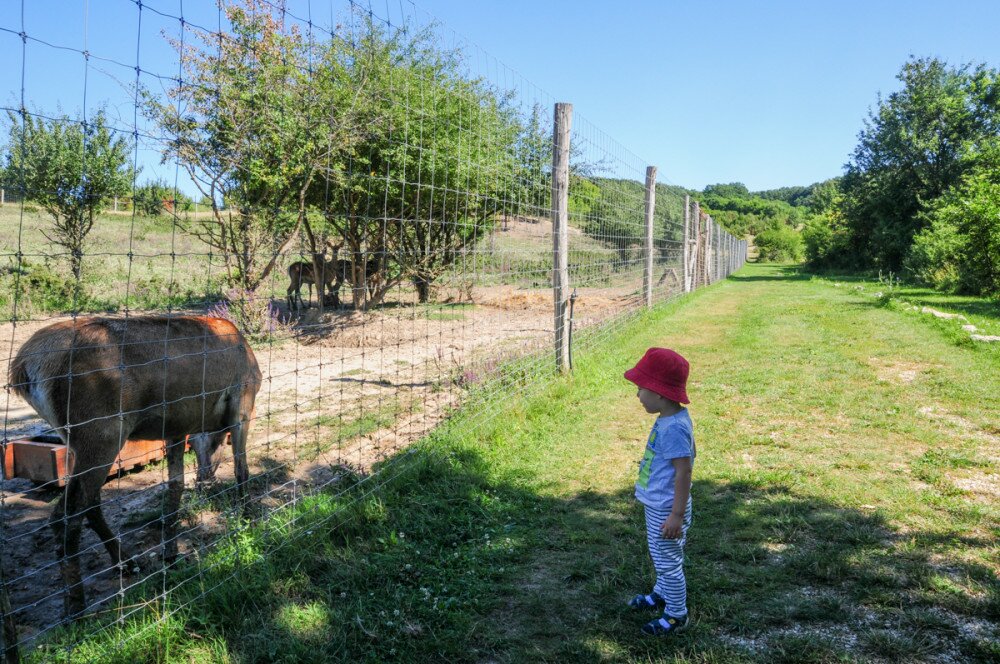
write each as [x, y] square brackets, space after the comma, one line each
[696, 264]
[686, 248]
[563, 119]
[647, 274]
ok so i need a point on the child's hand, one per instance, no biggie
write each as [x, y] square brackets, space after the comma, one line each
[672, 528]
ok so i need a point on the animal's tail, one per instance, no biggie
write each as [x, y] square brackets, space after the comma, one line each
[18, 376]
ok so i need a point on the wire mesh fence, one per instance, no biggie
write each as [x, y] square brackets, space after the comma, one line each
[266, 252]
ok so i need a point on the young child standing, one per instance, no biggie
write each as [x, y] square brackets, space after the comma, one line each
[664, 484]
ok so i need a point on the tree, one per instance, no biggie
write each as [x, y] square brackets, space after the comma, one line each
[959, 249]
[253, 124]
[911, 152]
[72, 169]
[156, 196]
[428, 173]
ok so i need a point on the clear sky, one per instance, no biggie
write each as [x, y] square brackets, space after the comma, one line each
[769, 92]
[765, 92]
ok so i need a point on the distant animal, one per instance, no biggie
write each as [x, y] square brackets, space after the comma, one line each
[303, 272]
[345, 273]
[101, 381]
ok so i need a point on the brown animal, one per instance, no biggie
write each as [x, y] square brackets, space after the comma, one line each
[101, 381]
[345, 272]
[303, 272]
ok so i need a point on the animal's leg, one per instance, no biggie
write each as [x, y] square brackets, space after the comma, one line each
[95, 519]
[239, 414]
[172, 504]
[67, 522]
[91, 455]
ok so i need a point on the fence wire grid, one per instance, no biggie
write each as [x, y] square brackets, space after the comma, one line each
[291, 236]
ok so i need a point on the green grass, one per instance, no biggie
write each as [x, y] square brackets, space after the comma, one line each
[842, 512]
[982, 312]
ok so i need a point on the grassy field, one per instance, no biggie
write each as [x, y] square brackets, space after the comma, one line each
[845, 499]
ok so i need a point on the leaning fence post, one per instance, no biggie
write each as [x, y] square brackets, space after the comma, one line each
[647, 274]
[563, 119]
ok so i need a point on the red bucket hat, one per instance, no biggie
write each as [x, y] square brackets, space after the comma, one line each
[663, 371]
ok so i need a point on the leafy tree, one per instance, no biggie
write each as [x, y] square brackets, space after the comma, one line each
[959, 249]
[253, 124]
[72, 168]
[731, 190]
[779, 243]
[911, 151]
[533, 183]
[156, 196]
[430, 169]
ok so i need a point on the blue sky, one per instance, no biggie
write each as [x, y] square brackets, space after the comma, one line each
[769, 93]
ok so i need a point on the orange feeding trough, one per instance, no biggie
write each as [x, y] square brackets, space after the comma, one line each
[45, 459]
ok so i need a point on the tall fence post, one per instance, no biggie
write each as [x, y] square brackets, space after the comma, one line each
[696, 263]
[1, 197]
[685, 248]
[708, 250]
[647, 274]
[563, 119]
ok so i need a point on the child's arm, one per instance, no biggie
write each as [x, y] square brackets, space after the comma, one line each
[672, 527]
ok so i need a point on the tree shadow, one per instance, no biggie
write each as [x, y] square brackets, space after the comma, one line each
[451, 561]
[780, 273]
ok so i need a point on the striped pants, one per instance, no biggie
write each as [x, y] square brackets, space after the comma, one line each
[668, 559]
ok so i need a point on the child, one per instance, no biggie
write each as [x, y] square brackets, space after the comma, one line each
[664, 485]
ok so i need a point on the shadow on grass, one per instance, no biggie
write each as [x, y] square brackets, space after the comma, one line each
[777, 273]
[966, 305]
[451, 561]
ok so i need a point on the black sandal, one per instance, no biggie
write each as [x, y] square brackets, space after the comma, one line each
[665, 625]
[651, 601]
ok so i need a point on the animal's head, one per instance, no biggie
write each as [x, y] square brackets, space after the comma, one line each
[334, 249]
[207, 449]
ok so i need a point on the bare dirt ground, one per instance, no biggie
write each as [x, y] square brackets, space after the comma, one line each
[339, 393]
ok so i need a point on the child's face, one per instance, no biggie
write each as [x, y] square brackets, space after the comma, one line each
[651, 401]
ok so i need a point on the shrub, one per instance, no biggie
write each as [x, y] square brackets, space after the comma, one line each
[255, 315]
[779, 243]
[960, 249]
[36, 287]
[935, 256]
[826, 241]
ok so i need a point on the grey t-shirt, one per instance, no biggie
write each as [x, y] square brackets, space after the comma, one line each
[671, 438]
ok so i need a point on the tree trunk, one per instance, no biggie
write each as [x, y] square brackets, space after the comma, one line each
[423, 285]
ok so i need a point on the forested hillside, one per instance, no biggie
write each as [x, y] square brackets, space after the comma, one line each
[921, 193]
[919, 197]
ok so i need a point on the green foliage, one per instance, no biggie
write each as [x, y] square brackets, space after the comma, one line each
[612, 211]
[779, 243]
[743, 213]
[731, 190]
[960, 249]
[912, 150]
[383, 210]
[156, 197]
[71, 168]
[825, 238]
[36, 288]
[252, 124]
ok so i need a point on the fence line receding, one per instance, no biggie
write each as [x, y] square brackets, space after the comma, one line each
[249, 252]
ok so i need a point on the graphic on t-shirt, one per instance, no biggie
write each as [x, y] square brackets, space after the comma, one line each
[647, 461]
